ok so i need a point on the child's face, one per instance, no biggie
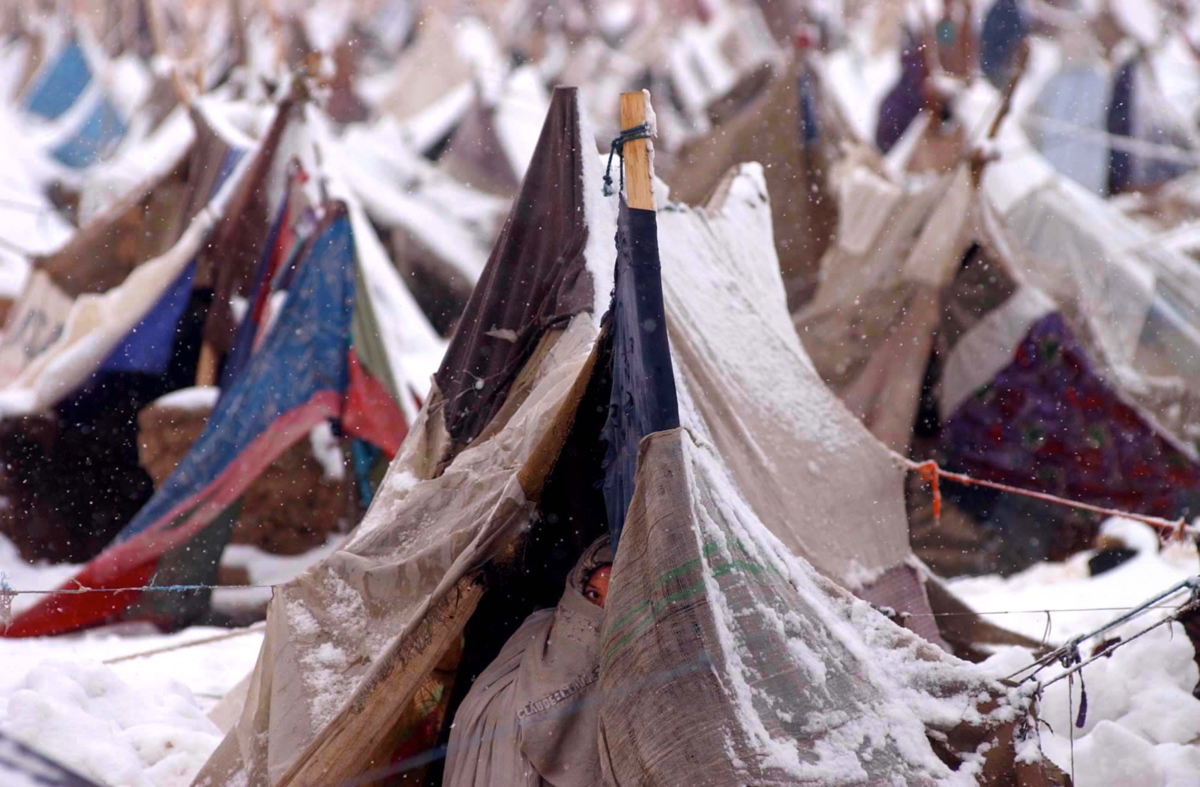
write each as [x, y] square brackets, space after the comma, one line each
[597, 585]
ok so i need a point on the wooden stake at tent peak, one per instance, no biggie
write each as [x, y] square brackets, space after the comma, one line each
[638, 177]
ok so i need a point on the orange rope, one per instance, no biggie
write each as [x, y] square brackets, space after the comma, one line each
[930, 473]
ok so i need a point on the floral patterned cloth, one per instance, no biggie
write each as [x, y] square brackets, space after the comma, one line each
[1048, 422]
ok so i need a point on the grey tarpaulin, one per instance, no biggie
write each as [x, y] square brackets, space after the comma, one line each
[643, 390]
[725, 661]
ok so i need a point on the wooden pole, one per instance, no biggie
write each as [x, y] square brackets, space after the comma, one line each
[206, 367]
[638, 175]
[1018, 71]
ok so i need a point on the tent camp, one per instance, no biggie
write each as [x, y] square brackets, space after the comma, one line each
[720, 584]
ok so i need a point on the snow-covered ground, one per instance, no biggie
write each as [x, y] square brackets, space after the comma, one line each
[93, 703]
[143, 721]
[1142, 726]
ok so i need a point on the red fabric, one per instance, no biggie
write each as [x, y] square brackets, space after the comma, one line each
[62, 613]
[370, 413]
[132, 562]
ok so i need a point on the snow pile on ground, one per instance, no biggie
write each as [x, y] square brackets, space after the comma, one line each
[118, 704]
[1142, 724]
[110, 730]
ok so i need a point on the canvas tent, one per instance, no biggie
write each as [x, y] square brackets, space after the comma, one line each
[789, 129]
[438, 229]
[490, 148]
[982, 326]
[106, 324]
[499, 474]
[324, 356]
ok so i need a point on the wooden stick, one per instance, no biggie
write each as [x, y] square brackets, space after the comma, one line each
[638, 177]
[1018, 71]
[206, 367]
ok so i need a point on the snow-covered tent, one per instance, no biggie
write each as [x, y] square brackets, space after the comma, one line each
[438, 229]
[739, 520]
[433, 83]
[491, 147]
[1021, 330]
[793, 133]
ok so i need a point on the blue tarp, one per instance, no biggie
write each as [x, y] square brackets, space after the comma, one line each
[59, 85]
[643, 398]
[298, 379]
[147, 348]
[102, 129]
[1004, 28]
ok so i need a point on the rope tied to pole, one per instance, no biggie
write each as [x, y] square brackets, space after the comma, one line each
[618, 147]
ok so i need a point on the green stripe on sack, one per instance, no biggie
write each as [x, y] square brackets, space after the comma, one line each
[749, 567]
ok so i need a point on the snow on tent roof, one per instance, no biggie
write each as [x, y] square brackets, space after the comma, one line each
[112, 274]
[149, 217]
[98, 134]
[790, 657]
[402, 189]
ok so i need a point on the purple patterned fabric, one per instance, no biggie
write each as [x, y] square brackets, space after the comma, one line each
[1048, 422]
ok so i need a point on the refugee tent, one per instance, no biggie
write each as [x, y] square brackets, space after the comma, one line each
[324, 355]
[106, 324]
[788, 128]
[1022, 332]
[490, 149]
[439, 230]
[500, 472]
[1069, 117]
[21, 766]
[431, 86]
[1137, 110]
